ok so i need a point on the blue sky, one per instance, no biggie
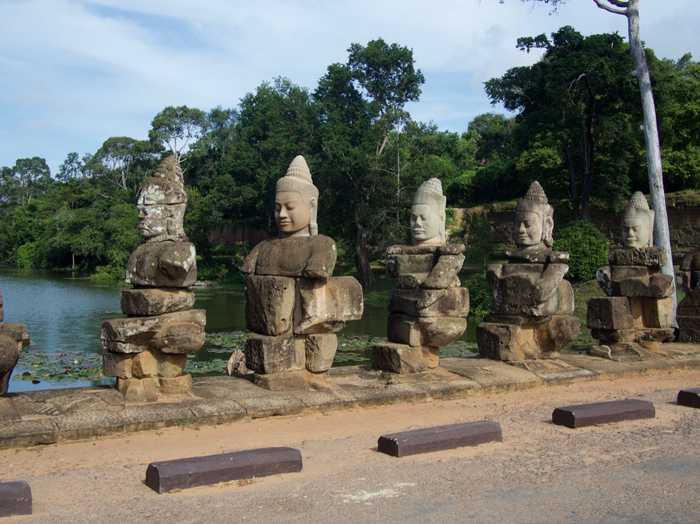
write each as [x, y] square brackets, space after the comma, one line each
[73, 73]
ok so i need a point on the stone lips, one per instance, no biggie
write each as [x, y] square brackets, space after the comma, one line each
[439, 438]
[168, 264]
[200, 471]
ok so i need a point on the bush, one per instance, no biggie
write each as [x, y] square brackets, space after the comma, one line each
[31, 255]
[108, 275]
[587, 246]
[480, 295]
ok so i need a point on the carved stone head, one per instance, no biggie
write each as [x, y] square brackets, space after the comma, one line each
[534, 219]
[161, 203]
[638, 222]
[428, 214]
[296, 201]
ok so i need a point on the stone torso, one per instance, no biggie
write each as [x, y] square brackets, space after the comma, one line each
[311, 257]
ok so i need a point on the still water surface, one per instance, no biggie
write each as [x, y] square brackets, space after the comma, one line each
[63, 314]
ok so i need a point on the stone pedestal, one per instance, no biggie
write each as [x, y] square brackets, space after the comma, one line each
[688, 313]
[532, 316]
[428, 308]
[637, 314]
[292, 316]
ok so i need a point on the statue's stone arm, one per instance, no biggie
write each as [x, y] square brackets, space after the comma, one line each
[322, 260]
[552, 275]
[248, 266]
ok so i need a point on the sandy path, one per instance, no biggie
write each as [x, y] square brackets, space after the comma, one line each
[344, 479]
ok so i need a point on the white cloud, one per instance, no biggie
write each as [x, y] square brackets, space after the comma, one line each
[73, 73]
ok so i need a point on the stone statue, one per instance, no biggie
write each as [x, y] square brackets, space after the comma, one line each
[688, 313]
[13, 337]
[533, 304]
[147, 352]
[294, 305]
[637, 313]
[428, 308]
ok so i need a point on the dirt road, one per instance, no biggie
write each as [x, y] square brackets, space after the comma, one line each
[641, 471]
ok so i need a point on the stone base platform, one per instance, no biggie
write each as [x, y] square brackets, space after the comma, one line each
[47, 417]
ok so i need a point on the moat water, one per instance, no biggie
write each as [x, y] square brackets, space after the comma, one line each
[63, 314]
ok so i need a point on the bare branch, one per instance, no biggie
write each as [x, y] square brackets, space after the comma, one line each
[619, 3]
[602, 4]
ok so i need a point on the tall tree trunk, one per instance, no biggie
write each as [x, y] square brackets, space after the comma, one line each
[662, 236]
[587, 183]
[364, 271]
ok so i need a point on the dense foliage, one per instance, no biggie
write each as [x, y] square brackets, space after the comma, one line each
[575, 128]
[587, 247]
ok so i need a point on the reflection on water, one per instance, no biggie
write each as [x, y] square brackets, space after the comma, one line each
[64, 314]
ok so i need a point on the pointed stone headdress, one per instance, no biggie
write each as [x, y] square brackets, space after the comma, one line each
[430, 194]
[298, 179]
[638, 206]
[535, 201]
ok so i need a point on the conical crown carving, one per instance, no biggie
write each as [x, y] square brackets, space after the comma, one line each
[535, 193]
[299, 169]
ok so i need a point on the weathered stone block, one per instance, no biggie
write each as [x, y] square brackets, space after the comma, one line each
[325, 305]
[181, 385]
[269, 304]
[445, 272]
[397, 358]
[423, 249]
[163, 264]
[15, 498]
[410, 280]
[265, 354]
[513, 342]
[117, 365]
[636, 281]
[688, 317]
[320, 351]
[657, 312]
[451, 302]
[153, 301]
[401, 264]
[651, 257]
[425, 331]
[9, 354]
[144, 365]
[531, 290]
[171, 365]
[312, 257]
[179, 332]
[609, 313]
[138, 389]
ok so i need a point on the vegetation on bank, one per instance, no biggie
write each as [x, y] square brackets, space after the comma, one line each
[576, 129]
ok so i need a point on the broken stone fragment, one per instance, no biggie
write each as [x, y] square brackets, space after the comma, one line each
[650, 257]
[138, 389]
[179, 332]
[9, 354]
[688, 317]
[269, 304]
[397, 358]
[325, 305]
[636, 281]
[170, 264]
[425, 331]
[538, 255]
[319, 350]
[410, 280]
[155, 301]
[451, 302]
[312, 257]
[266, 354]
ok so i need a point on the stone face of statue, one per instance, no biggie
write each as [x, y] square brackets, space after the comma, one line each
[636, 230]
[293, 213]
[425, 224]
[157, 220]
[528, 229]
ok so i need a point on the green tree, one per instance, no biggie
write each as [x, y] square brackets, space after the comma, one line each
[176, 128]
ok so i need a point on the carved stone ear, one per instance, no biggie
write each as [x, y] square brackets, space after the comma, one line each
[548, 230]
